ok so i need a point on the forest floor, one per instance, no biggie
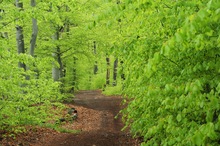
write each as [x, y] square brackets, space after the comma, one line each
[96, 124]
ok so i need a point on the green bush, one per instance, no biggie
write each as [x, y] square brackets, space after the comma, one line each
[173, 74]
[26, 101]
[113, 90]
[98, 81]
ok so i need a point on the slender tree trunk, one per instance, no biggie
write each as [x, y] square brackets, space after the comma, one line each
[20, 37]
[108, 71]
[115, 72]
[95, 65]
[55, 69]
[33, 40]
[59, 59]
[122, 74]
[34, 31]
[74, 75]
[58, 72]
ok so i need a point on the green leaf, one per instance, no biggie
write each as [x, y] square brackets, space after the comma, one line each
[178, 37]
[209, 116]
[179, 117]
[202, 14]
[198, 138]
[166, 50]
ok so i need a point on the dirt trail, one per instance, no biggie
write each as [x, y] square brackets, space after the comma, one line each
[95, 120]
[106, 130]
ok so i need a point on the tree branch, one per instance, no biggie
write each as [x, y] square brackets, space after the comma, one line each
[167, 6]
[171, 61]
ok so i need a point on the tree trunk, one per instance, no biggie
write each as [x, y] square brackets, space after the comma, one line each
[95, 65]
[20, 37]
[59, 60]
[108, 71]
[122, 74]
[34, 31]
[74, 75]
[55, 69]
[115, 72]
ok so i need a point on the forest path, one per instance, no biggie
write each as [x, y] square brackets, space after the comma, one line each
[96, 120]
[96, 123]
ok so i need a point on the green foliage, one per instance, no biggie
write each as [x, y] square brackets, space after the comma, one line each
[92, 82]
[170, 59]
[25, 102]
[113, 90]
[61, 129]
[26, 96]
[98, 81]
[171, 65]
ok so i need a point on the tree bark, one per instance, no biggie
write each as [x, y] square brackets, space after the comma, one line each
[122, 74]
[20, 37]
[74, 75]
[115, 72]
[95, 65]
[34, 31]
[55, 69]
[59, 60]
[108, 71]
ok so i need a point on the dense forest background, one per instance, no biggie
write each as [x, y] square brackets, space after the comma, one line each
[162, 56]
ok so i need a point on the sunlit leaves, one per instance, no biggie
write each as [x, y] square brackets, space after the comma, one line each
[175, 60]
[25, 101]
[204, 133]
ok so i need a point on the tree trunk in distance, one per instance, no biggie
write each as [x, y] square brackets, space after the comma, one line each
[108, 71]
[95, 65]
[115, 72]
[55, 69]
[34, 31]
[122, 74]
[74, 75]
[59, 60]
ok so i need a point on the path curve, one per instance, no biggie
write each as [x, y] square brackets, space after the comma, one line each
[96, 121]
[108, 132]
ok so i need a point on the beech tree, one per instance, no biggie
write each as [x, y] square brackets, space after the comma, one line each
[115, 72]
[34, 31]
[17, 104]
[20, 36]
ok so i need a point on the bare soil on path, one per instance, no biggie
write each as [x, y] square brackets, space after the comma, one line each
[96, 121]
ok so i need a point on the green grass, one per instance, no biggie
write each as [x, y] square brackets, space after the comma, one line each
[60, 129]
